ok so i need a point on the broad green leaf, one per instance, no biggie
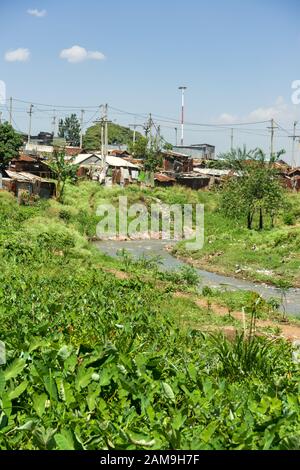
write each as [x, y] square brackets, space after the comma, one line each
[83, 377]
[2, 382]
[50, 386]
[35, 344]
[39, 402]
[14, 369]
[168, 392]
[91, 399]
[18, 390]
[27, 426]
[208, 431]
[64, 440]
[6, 404]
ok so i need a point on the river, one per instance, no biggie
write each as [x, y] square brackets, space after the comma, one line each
[153, 248]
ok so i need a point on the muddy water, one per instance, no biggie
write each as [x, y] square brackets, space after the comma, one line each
[153, 248]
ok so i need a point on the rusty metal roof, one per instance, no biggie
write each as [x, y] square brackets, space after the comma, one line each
[163, 178]
[24, 176]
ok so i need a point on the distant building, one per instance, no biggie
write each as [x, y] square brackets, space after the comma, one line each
[197, 151]
[43, 138]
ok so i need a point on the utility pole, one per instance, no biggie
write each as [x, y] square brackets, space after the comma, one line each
[54, 122]
[0, 117]
[272, 128]
[294, 137]
[176, 141]
[81, 127]
[101, 129]
[105, 133]
[148, 129]
[182, 88]
[134, 132]
[158, 139]
[29, 127]
[10, 110]
[231, 139]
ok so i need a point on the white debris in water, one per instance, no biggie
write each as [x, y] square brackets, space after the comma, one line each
[267, 272]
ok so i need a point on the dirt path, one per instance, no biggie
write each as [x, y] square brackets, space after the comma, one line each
[288, 331]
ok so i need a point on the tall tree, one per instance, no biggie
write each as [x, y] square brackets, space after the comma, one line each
[257, 191]
[139, 148]
[10, 143]
[69, 129]
[117, 135]
[64, 171]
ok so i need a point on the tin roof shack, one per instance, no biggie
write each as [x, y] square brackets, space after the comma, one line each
[160, 179]
[34, 165]
[197, 151]
[292, 179]
[193, 180]
[119, 153]
[176, 162]
[22, 181]
[215, 175]
[118, 170]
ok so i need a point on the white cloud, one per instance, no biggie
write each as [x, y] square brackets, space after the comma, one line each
[77, 54]
[280, 111]
[226, 118]
[95, 55]
[18, 55]
[37, 13]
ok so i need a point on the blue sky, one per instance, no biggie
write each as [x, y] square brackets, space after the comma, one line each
[238, 60]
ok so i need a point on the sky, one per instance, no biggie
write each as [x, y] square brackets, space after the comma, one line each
[237, 59]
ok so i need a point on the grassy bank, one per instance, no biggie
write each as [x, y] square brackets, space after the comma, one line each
[105, 354]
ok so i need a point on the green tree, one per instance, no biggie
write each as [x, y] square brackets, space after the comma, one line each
[64, 171]
[69, 129]
[117, 135]
[257, 190]
[139, 148]
[10, 143]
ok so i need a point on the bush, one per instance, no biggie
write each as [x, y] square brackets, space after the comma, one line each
[289, 218]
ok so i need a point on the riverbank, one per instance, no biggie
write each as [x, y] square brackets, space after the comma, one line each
[263, 277]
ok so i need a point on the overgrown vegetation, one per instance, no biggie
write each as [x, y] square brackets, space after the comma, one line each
[96, 361]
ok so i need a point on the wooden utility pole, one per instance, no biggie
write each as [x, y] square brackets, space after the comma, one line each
[29, 127]
[81, 127]
[272, 127]
[105, 134]
[10, 110]
[231, 140]
[53, 122]
[294, 137]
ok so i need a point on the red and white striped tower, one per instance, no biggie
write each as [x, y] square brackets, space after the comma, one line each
[182, 88]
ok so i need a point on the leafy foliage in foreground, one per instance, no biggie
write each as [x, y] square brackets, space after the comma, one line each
[93, 362]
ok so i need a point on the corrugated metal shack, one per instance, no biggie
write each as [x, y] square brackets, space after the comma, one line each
[21, 181]
[175, 161]
[30, 164]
